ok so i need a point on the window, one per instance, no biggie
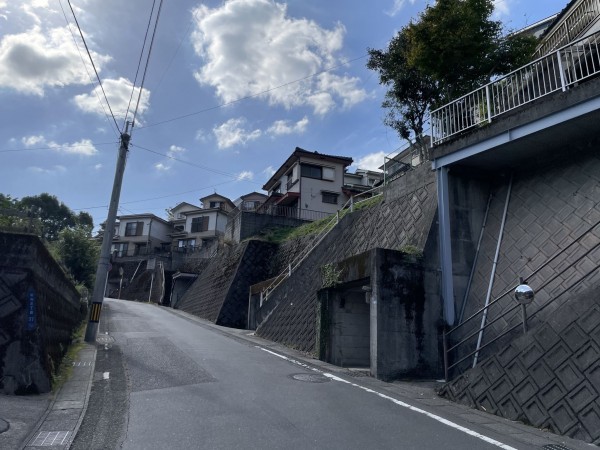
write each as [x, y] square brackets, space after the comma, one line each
[276, 189]
[183, 243]
[199, 224]
[329, 197]
[215, 204]
[309, 171]
[318, 172]
[119, 250]
[134, 228]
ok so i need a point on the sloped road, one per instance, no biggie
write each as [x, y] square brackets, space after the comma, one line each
[167, 382]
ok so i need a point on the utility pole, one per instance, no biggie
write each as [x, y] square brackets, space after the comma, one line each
[109, 231]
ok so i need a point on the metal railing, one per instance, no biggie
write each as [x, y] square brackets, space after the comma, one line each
[527, 315]
[580, 17]
[349, 206]
[556, 71]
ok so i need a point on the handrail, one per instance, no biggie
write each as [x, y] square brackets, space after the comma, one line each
[553, 72]
[509, 310]
[350, 204]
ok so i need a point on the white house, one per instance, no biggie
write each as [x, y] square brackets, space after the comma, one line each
[140, 234]
[308, 184]
[197, 226]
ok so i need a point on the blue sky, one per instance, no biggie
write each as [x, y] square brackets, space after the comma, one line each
[232, 88]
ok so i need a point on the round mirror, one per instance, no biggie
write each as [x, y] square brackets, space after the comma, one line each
[524, 294]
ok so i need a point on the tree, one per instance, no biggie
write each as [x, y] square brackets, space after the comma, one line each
[452, 49]
[410, 92]
[79, 253]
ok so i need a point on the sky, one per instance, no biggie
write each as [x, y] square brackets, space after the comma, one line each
[232, 87]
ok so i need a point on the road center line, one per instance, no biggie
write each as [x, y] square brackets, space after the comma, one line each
[398, 402]
[106, 375]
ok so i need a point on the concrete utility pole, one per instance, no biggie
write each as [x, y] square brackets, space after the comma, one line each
[109, 231]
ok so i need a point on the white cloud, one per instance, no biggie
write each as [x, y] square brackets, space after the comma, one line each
[118, 92]
[83, 147]
[252, 46]
[282, 127]
[372, 161]
[173, 152]
[32, 61]
[397, 7]
[246, 175]
[54, 170]
[269, 171]
[501, 9]
[202, 136]
[98, 166]
[233, 133]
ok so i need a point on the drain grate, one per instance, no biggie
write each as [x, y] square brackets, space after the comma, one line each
[50, 438]
[555, 447]
[310, 377]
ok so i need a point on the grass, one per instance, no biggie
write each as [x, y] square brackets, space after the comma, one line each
[279, 235]
[65, 369]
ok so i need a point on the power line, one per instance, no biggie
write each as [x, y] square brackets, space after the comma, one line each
[55, 147]
[189, 163]
[83, 62]
[140, 59]
[147, 61]
[93, 65]
[222, 105]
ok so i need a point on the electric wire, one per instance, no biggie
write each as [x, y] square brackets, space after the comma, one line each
[199, 166]
[139, 61]
[258, 94]
[93, 65]
[83, 62]
[56, 147]
[147, 61]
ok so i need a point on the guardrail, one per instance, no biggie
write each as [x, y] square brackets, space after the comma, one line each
[556, 71]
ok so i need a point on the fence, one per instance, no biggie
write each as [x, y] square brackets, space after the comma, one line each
[554, 72]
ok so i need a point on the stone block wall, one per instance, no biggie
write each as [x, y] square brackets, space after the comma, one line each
[553, 212]
[39, 310]
[548, 378]
[404, 218]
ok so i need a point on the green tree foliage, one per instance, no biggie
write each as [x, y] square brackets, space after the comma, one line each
[452, 48]
[79, 253]
[55, 215]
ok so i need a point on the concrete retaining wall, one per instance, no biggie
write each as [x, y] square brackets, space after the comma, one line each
[39, 310]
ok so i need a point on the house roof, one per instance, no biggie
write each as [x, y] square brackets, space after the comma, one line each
[299, 153]
[141, 216]
[219, 197]
[183, 204]
[245, 196]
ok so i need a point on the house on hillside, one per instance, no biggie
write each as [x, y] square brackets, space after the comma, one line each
[308, 185]
[250, 202]
[361, 181]
[195, 227]
[139, 235]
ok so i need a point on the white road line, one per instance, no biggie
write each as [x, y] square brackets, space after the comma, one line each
[105, 375]
[399, 403]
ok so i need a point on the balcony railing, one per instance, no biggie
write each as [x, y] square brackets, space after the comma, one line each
[576, 22]
[288, 211]
[554, 72]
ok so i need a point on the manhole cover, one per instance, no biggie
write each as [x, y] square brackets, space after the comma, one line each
[3, 426]
[555, 447]
[310, 377]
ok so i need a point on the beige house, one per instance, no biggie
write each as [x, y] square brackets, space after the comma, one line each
[140, 234]
[308, 185]
[195, 227]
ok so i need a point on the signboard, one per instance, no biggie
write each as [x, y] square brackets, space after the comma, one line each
[151, 264]
[31, 310]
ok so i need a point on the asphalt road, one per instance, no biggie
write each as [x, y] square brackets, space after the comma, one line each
[171, 383]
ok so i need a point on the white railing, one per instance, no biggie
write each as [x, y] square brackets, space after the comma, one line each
[580, 17]
[330, 225]
[553, 72]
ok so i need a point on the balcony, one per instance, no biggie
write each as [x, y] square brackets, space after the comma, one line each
[567, 67]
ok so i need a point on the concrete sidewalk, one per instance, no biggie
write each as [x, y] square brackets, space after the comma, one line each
[49, 420]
